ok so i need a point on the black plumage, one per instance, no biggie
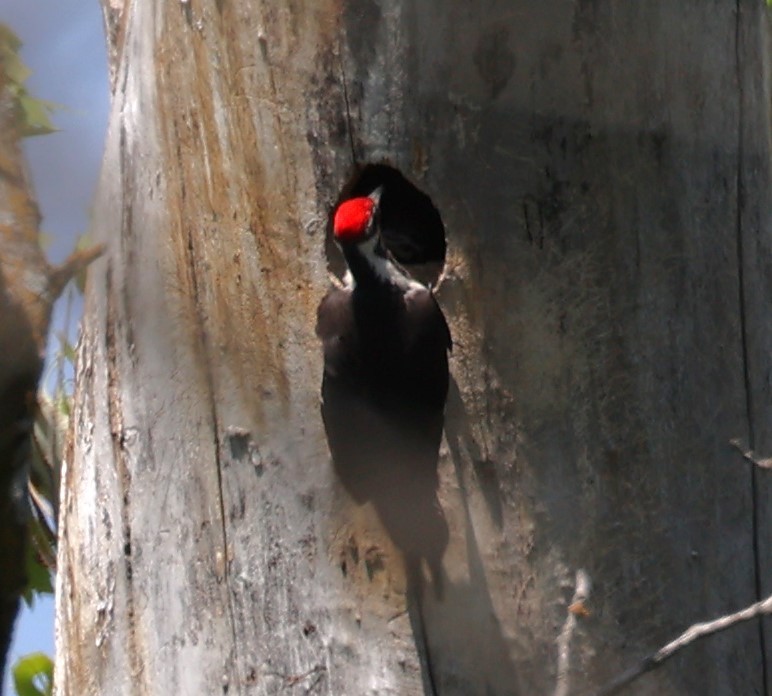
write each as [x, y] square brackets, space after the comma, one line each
[386, 344]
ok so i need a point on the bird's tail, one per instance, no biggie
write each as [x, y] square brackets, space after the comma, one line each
[415, 589]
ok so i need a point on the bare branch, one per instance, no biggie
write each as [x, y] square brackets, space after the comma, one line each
[73, 264]
[575, 609]
[749, 455]
[692, 634]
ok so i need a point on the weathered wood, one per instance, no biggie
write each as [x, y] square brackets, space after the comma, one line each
[602, 171]
[754, 225]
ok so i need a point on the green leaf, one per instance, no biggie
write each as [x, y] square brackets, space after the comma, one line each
[45, 240]
[33, 114]
[33, 670]
[84, 242]
[8, 39]
[15, 70]
[36, 113]
[68, 350]
[64, 404]
[38, 576]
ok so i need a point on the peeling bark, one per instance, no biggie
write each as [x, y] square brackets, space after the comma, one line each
[603, 173]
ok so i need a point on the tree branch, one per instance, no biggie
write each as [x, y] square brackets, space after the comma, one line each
[76, 262]
[749, 455]
[575, 609]
[692, 634]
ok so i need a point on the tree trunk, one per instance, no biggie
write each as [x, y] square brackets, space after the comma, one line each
[602, 170]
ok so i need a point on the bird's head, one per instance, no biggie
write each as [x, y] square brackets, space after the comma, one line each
[357, 219]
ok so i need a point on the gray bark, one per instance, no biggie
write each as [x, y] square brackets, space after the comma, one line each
[603, 172]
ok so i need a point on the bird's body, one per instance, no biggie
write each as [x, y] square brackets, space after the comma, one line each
[385, 343]
[385, 338]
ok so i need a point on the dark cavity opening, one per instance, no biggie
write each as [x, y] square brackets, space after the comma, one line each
[412, 228]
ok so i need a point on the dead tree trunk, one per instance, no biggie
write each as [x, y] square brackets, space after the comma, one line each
[602, 170]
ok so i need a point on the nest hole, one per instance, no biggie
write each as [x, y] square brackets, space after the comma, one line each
[411, 226]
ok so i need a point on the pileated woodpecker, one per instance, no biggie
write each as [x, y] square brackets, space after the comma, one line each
[385, 382]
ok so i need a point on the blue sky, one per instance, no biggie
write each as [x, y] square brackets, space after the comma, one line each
[65, 49]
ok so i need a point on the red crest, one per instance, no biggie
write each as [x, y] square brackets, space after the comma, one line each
[351, 219]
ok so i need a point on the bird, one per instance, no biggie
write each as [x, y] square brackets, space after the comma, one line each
[385, 343]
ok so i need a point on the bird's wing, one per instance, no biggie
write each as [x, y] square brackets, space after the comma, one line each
[430, 321]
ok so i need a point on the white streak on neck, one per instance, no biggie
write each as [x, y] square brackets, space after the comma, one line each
[383, 268]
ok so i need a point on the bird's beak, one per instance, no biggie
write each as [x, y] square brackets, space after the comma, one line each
[375, 196]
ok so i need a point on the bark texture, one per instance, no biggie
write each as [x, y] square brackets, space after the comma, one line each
[602, 169]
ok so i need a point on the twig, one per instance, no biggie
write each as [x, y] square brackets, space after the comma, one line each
[749, 455]
[296, 679]
[73, 264]
[291, 680]
[692, 634]
[575, 609]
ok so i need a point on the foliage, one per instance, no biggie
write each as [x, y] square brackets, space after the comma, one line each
[84, 243]
[48, 436]
[33, 114]
[51, 421]
[33, 675]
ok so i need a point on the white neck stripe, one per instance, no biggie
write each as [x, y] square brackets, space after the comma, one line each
[383, 268]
